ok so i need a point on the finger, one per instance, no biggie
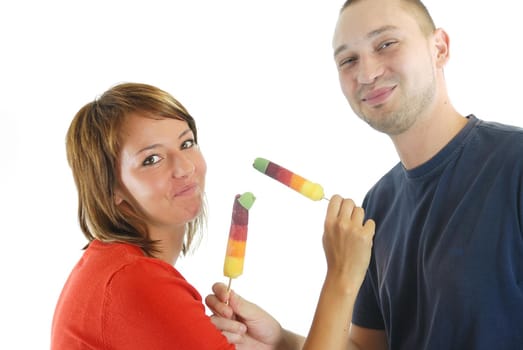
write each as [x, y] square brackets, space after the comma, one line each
[240, 340]
[239, 305]
[218, 307]
[357, 215]
[242, 308]
[217, 301]
[370, 226]
[333, 210]
[233, 338]
[229, 326]
[347, 208]
[220, 290]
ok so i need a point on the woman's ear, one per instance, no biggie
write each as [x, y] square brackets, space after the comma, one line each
[118, 198]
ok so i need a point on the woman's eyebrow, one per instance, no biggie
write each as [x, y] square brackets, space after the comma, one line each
[185, 132]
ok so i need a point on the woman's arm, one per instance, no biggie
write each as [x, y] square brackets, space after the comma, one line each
[347, 242]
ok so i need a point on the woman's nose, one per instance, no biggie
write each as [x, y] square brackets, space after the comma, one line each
[182, 166]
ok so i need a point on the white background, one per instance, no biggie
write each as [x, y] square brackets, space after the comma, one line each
[259, 78]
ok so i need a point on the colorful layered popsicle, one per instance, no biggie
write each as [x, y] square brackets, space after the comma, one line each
[235, 255]
[307, 188]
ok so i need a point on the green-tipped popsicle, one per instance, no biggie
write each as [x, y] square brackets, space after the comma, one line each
[235, 254]
[307, 188]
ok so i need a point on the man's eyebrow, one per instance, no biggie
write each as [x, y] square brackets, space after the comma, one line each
[369, 35]
[381, 30]
[339, 49]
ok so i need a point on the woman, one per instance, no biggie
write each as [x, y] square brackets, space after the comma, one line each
[140, 178]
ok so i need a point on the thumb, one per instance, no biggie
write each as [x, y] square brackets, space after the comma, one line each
[242, 307]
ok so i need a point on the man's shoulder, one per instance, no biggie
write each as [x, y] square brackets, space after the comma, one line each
[489, 126]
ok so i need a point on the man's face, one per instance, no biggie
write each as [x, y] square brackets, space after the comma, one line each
[385, 63]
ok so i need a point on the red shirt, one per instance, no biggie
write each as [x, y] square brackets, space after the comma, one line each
[117, 298]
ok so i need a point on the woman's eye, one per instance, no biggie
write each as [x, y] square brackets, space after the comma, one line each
[188, 144]
[153, 159]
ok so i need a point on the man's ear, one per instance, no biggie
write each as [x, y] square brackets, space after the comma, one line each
[441, 40]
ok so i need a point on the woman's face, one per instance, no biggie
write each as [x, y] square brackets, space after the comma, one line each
[162, 169]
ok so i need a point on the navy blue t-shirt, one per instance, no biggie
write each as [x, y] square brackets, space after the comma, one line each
[447, 264]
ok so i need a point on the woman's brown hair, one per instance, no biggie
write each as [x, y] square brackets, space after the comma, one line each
[93, 146]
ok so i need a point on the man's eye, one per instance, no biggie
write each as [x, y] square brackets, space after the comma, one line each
[386, 44]
[347, 61]
[151, 160]
[188, 144]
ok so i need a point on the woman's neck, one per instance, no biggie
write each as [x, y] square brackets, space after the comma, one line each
[170, 243]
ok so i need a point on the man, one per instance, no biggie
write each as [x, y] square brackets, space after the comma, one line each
[447, 262]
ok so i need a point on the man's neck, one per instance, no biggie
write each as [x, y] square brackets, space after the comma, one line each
[428, 136]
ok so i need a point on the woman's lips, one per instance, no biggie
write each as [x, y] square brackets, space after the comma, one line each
[378, 96]
[186, 190]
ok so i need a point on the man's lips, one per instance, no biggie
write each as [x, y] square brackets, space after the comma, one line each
[378, 96]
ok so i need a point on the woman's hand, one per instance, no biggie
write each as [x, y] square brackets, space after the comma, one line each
[246, 324]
